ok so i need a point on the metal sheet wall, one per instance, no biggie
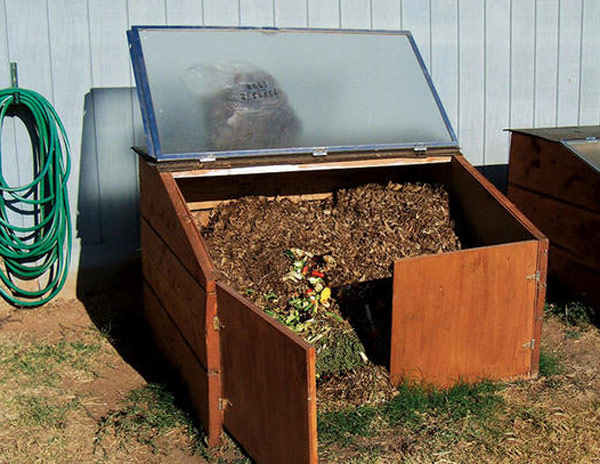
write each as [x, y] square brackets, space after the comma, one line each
[496, 64]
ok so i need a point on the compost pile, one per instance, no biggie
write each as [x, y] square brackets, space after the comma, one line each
[324, 267]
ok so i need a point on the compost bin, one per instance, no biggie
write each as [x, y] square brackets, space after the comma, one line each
[554, 177]
[300, 115]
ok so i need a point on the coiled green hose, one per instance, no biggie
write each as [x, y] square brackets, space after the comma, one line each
[41, 251]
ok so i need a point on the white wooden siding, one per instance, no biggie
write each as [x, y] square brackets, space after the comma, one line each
[495, 63]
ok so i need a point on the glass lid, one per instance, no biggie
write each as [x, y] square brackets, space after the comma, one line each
[587, 149]
[210, 93]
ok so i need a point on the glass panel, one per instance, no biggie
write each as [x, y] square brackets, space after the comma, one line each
[219, 90]
[587, 150]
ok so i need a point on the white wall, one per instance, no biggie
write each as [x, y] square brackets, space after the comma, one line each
[495, 63]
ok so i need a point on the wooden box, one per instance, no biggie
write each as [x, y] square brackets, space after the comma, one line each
[554, 178]
[465, 315]
[455, 317]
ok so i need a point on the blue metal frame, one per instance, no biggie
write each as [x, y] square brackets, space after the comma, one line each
[149, 120]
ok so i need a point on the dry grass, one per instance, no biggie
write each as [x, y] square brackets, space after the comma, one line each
[67, 395]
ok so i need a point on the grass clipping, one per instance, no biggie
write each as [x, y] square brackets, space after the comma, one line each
[346, 243]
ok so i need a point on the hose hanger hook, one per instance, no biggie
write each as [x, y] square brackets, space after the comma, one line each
[14, 80]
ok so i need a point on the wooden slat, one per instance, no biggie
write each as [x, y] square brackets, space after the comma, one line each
[465, 315]
[549, 168]
[580, 281]
[163, 206]
[542, 266]
[203, 388]
[572, 228]
[486, 216]
[546, 62]
[268, 380]
[181, 296]
[589, 98]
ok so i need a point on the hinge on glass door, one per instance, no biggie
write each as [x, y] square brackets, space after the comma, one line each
[420, 149]
[207, 159]
[319, 151]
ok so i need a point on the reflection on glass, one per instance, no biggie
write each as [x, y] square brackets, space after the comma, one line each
[215, 90]
[587, 150]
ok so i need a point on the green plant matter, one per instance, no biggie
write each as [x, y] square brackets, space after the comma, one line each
[340, 352]
[45, 412]
[574, 313]
[341, 426]
[549, 363]
[149, 413]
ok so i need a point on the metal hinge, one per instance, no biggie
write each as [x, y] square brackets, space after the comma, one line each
[217, 323]
[420, 148]
[319, 151]
[530, 344]
[535, 276]
[224, 403]
[207, 159]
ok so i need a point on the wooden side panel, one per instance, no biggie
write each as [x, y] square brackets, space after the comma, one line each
[163, 207]
[465, 315]
[580, 280]
[486, 216]
[572, 228]
[202, 385]
[549, 168]
[268, 379]
[181, 296]
[542, 267]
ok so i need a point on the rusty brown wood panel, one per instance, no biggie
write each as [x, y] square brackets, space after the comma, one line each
[572, 228]
[202, 386]
[551, 169]
[465, 315]
[487, 217]
[581, 281]
[542, 267]
[268, 379]
[163, 206]
[191, 309]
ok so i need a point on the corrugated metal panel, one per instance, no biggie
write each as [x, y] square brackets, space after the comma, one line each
[495, 64]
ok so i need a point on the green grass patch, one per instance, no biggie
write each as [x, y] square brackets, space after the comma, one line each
[410, 407]
[342, 426]
[37, 363]
[45, 412]
[149, 413]
[573, 313]
[549, 363]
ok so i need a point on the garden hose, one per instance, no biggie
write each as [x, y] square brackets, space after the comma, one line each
[42, 251]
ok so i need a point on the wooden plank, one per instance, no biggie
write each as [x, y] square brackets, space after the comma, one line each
[386, 14]
[546, 62]
[184, 12]
[464, 316]
[551, 169]
[569, 62]
[268, 381]
[323, 13]
[163, 206]
[221, 12]
[208, 205]
[566, 272]
[485, 216]
[291, 13]
[444, 54]
[497, 81]
[203, 388]
[522, 63]
[573, 229]
[542, 266]
[355, 14]
[589, 98]
[471, 118]
[181, 296]
[256, 13]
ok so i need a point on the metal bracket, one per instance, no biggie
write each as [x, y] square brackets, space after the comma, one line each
[535, 276]
[14, 80]
[217, 323]
[207, 159]
[224, 403]
[319, 151]
[420, 148]
[530, 344]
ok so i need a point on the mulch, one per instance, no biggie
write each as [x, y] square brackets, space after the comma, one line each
[364, 230]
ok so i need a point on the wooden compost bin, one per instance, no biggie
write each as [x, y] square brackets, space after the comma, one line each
[459, 316]
[560, 193]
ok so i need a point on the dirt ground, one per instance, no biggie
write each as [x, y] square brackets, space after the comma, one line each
[79, 382]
